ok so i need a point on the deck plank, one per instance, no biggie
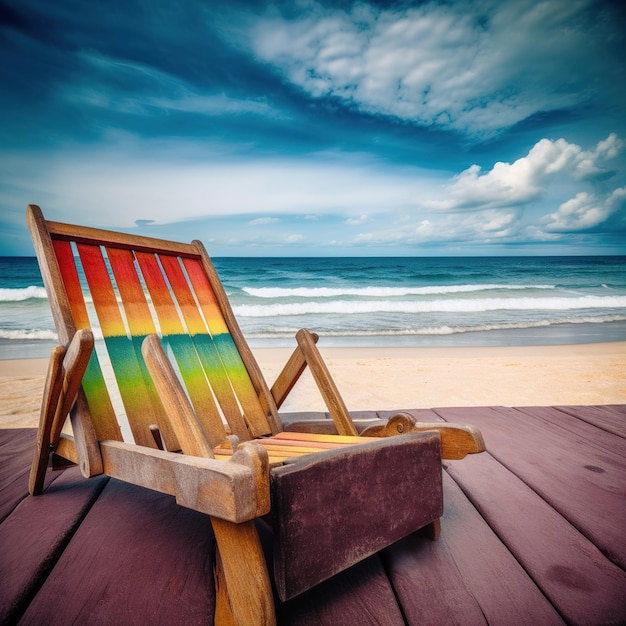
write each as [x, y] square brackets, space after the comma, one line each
[578, 468]
[17, 446]
[360, 595]
[465, 575]
[137, 558]
[609, 418]
[585, 586]
[16, 452]
[34, 534]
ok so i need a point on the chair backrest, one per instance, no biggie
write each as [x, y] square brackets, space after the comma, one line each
[127, 287]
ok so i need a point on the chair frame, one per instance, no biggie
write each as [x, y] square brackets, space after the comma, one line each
[232, 492]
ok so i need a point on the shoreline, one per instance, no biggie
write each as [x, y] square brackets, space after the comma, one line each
[404, 378]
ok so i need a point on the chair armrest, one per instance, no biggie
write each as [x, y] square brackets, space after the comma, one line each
[457, 440]
[236, 490]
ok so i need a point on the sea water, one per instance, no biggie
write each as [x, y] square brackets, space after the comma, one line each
[398, 301]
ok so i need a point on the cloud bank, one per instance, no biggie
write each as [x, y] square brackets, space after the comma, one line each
[454, 65]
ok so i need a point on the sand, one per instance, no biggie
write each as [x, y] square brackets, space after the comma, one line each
[402, 378]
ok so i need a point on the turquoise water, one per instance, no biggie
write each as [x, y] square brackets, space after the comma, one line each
[379, 301]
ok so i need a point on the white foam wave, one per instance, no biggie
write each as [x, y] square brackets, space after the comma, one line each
[31, 335]
[446, 330]
[378, 292]
[455, 305]
[25, 293]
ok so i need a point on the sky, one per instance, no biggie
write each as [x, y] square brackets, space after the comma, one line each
[319, 128]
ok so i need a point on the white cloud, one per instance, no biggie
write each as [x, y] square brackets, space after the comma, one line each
[168, 183]
[323, 196]
[356, 221]
[585, 212]
[489, 225]
[524, 181]
[477, 67]
[263, 221]
[152, 91]
[294, 238]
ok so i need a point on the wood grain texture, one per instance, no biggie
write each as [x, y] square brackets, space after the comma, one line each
[468, 577]
[137, 558]
[290, 374]
[457, 440]
[582, 583]
[332, 398]
[51, 394]
[35, 534]
[225, 489]
[572, 464]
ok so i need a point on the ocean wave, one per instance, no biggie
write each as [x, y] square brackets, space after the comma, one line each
[378, 292]
[24, 293]
[30, 335]
[456, 305]
[443, 330]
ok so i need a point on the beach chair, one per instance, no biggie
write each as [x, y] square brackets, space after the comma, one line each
[163, 392]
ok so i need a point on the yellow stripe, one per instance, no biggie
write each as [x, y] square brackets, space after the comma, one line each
[316, 437]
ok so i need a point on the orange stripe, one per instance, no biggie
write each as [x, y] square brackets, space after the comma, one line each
[101, 289]
[136, 307]
[184, 298]
[169, 320]
[71, 282]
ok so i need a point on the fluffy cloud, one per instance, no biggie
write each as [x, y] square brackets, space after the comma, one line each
[452, 65]
[523, 181]
[586, 212]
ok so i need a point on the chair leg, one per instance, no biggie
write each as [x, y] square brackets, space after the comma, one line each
[52, 393]
[433, 530]
[242, 584]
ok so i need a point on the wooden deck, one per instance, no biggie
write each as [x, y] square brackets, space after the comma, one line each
[534, 532]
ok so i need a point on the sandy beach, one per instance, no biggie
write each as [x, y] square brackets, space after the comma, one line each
[400, 378]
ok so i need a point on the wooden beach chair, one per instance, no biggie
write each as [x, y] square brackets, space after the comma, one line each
[163, 392]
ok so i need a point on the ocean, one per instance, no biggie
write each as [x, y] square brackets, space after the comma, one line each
[378, 302]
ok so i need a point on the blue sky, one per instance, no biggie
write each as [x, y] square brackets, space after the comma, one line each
[319, 128]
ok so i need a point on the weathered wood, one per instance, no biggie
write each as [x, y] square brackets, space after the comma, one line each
[96, 236]
[259, 425]
[362, 595]
[85, 438]
[468, 577]
[609, 418]
[225, 489]
[136, 558]
[51, 275]
[52, 392]
[457, 440]
[181, 416]
[575, 466]
[290, 374]
[66, 328]
[16, 453]
[74, 365]
[242, 582]
[243, 590]
[328, 388]
[584, 586]
[34, 535]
